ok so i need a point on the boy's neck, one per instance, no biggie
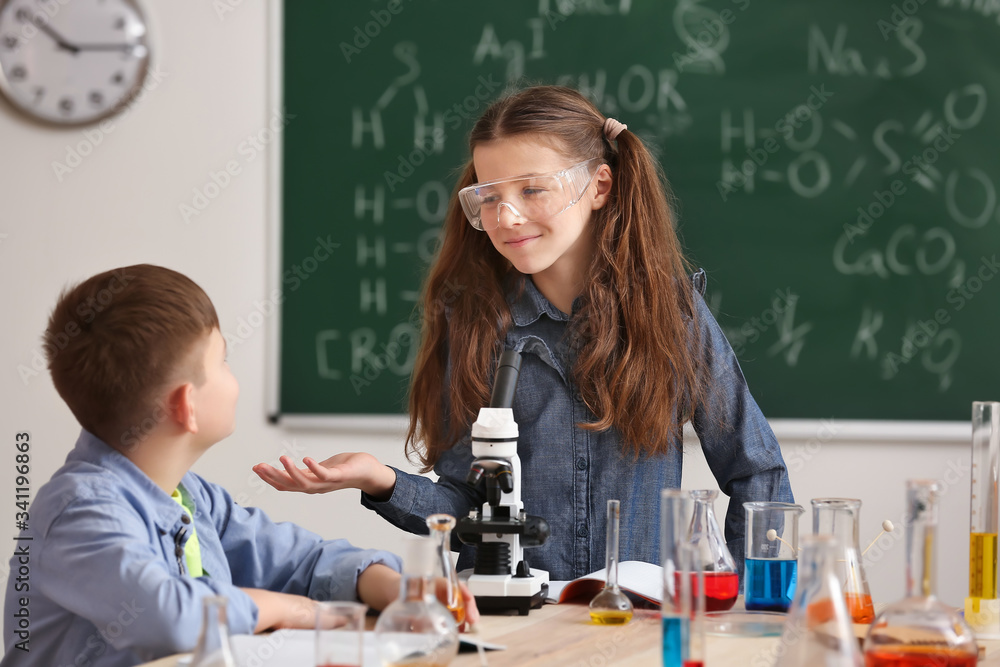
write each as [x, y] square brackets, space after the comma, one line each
[165, 459]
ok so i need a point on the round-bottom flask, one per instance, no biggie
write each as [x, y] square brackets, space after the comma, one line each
[415, 629]
[919, 629]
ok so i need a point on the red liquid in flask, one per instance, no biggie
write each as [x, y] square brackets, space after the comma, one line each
[918, 656]
[721, 589]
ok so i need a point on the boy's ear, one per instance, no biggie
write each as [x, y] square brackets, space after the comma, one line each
[603, 180]
[182, 407]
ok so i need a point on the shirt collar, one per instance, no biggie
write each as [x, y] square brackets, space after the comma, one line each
[91, 449]
[531, 304]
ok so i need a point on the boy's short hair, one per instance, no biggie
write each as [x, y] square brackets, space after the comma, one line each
[117, 340]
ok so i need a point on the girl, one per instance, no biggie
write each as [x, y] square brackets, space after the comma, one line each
[560, 245]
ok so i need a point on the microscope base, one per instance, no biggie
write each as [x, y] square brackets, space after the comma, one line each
[500, 593]
[499, 605]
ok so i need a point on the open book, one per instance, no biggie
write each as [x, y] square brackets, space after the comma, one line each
[642, 582]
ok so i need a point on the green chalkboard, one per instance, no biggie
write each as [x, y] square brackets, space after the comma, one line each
[835, 166]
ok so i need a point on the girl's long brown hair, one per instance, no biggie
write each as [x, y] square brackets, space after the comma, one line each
[637, 363]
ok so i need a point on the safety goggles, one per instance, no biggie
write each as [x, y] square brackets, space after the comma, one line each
[530, 198]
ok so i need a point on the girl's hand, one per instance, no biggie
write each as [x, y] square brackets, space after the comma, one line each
[350, 470]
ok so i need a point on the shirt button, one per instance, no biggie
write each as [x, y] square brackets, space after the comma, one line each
[185, 519]
[179, 551]
[582, 531]
[581, 463]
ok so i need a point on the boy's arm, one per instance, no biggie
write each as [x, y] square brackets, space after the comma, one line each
[97, 561]
[284, 557]
[378, 585]
[282, 610]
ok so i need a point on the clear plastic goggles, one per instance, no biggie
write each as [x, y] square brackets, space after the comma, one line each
[530, 198]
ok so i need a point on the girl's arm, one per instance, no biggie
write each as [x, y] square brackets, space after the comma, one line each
[739, 444]
[415, 497]
[403, 499]
[349, 470]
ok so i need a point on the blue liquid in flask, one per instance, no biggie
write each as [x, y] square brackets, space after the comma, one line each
[675, 630]
[769, 584]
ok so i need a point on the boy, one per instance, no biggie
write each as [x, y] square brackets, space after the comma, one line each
[125, 541]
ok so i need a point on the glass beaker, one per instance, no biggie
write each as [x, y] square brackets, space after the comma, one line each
[440, 526]
[722, 581]
[920, 630]
[840, 517]
[213, 649]
[772, 543]
[818, 630]
[982, 608]
[340, 631]
[415, 629]
[611, 606]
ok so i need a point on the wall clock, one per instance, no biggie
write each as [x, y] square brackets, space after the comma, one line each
[72, 62]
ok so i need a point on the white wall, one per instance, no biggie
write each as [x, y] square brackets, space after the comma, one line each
[120, 206]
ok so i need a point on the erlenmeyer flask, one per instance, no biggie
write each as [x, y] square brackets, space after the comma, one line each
[818, 631]
[213, 648]
[722, 582]
[840, 517]
[919, 630]
[441, 526]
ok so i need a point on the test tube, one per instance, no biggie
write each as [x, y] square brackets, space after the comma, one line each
[675, 510]
[982, 606]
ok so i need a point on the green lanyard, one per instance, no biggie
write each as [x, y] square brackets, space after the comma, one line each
[192, 550]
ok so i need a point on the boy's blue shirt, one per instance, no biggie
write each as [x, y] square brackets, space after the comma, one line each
[569, 473]
[106, 585]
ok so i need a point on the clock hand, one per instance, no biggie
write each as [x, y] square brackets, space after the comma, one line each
[127, 48]
[60, 41]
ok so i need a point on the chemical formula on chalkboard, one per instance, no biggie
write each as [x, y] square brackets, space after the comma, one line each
[833, 168]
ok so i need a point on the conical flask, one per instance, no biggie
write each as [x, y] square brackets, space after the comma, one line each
[213, 648]
[441, 526]
[840, 517]
[722, 581]
[919, 630]
[416, 629]
[818, 631]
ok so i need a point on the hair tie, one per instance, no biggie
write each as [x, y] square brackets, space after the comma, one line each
[612, 128]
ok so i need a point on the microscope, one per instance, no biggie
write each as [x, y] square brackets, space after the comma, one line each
[501, 579]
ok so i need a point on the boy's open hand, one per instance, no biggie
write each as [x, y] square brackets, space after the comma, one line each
[349, 470]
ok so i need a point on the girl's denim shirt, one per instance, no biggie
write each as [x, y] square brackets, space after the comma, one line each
[569, 473]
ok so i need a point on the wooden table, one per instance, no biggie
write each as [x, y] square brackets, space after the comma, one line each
[562, 635]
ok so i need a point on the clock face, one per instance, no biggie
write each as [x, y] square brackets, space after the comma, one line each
[72, 62]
